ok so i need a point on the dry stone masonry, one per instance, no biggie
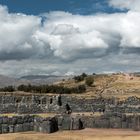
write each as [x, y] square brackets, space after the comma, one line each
[27, 123]
[113, 113]
[57, 104]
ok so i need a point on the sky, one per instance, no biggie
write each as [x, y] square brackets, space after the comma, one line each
[68, 37]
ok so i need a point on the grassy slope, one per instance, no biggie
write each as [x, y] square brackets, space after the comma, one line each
[121, 86]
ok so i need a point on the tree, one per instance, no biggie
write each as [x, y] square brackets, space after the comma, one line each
[8, 89]
[89, 80]
[80, 78]
[84, 75]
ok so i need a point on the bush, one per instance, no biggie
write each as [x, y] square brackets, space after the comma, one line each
[80, 78]
[89, 80]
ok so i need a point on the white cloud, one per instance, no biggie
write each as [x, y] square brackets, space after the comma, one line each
[126, 4]
[63, 39]
[66, 36]
[16, 32]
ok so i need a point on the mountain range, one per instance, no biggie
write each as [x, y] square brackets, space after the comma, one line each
[30, 79]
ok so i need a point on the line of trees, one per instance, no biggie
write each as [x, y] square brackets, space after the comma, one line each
[7, 89]
[46, 89]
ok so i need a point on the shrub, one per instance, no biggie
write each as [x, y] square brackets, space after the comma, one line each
[89, 80]
[80, 78]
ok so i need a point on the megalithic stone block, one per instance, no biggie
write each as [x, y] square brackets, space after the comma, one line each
[115, 122]
[89, 122]
[46, 126]
[32, 126]
[20, 120]
[26, 127]
[11, 128]
[5, 128]
[0, 128]
[5, 120]
[60, 120]
[136, 123]
[124, 125]
[19, 128]
[13, 120]
[36, 127]
[76, 124]
[49, 126]
[66, 123]
[1, 120]
[101, 123]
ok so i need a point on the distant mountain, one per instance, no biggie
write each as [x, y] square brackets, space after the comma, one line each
[5, 81]
[43, 79]
[30, 79]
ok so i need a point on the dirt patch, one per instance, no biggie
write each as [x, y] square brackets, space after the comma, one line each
[86, 134]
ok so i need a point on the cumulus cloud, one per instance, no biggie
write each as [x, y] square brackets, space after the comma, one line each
[63, 39]
[126, 4]
[16, 32]
[91, 36]
[66, 36]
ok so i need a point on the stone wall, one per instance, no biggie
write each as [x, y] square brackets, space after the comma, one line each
[27, 123]
[112, 113]
[57, 104]
[120, 121]
[16, 124]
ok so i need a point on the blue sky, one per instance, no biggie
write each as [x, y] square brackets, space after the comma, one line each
[36, 7]
[92, 36]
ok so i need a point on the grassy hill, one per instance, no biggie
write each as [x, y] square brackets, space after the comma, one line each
[117, 85]
[105, 85]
